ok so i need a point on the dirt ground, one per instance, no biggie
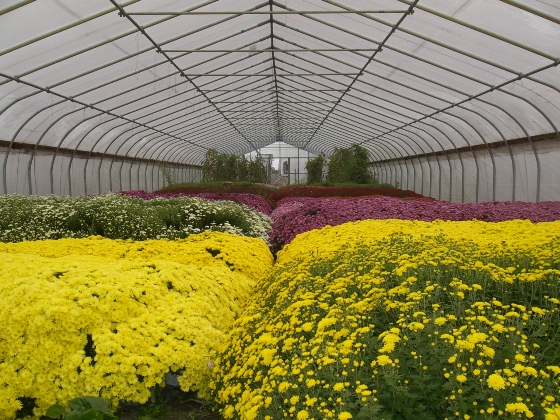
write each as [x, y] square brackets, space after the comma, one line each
[169, 404]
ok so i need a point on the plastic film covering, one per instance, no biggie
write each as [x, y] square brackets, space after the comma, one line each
[458, 100]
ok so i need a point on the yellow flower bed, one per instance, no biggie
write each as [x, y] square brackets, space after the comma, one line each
[476, 237]
[248, 256]
[102, 317]
[401, 319]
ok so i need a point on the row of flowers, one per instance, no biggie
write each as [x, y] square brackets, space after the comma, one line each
[118, 216]
[274, 195]
[111, 318]
[386, 319]
[293, 216]
[401, 319]
[254, 201]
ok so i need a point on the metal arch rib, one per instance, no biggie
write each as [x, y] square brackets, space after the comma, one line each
[483, 93]
[441, 44]
[271, 24]
[178, 68]
[97, 87]
[482, 31]
[70, 100]
[468, 77]
[181, 93]
[131, 166]
[532, 11]
[434, 138]
[441, 146]
[498, 87]
[440, 99]
[355, 111]
[445, 87]
[56, 31]
[97, 102]
[15, 6]
[352, 114]
[428, 62]
[381, 44]
[108, 41]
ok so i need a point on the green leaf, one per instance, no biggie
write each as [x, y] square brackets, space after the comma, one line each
[100, 404]
[79, 404]
[91, 414]
[73, 415]
[55, 411]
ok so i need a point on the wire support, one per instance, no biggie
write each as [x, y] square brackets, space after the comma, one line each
[380, 48]
[181, 72]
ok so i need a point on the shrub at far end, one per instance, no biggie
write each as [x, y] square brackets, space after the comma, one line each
[226, 167]
[314, 169]
[349, 165]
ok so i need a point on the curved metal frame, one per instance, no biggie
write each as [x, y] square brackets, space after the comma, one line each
[163, 136]
[425, 93]
[470, 97]
[390, 117]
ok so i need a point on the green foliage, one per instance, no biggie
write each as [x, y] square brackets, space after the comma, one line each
[224, 167]
[209, 165]
[158, 406]
[349, 165]
[167, 173]
[170, 402]
[315, 169]
[257, 171]
[83, 408]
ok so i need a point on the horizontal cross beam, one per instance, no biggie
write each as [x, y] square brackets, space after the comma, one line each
[270, 74]
[273, 90]
[277, 50]
[264, 12]
[273, 102]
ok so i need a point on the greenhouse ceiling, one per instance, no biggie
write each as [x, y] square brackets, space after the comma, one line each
[447, 84]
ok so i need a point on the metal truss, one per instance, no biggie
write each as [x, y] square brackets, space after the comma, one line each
[322, 90]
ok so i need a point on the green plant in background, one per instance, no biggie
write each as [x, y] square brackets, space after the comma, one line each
[209, 165]
[314, 169]
[257, 170]
[225, 167]
[167, 173]
[83, 408]
[243, 169]
[231, 168]
[349, 165]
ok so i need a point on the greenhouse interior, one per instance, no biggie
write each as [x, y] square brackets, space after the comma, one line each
[258, 210]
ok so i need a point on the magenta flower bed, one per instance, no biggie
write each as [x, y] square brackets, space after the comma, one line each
[296, 215]
[256, 202]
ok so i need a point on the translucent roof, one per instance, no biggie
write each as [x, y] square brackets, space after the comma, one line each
[168, 79]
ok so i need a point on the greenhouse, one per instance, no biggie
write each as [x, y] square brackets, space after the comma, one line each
[279, 209]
